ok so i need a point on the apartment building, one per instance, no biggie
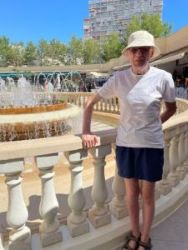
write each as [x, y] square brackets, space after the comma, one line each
[107, 16]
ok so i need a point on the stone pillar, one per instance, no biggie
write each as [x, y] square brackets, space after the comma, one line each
[17, 214]
[180, 168]
[173, 161]
[49, 229]
[99, 214]
[117, 205]
[186, 151]
[76, 221]
[164, 185]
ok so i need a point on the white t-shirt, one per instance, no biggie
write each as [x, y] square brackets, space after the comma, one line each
[139, 98]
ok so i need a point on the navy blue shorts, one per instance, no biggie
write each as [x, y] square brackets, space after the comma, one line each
[140, 163]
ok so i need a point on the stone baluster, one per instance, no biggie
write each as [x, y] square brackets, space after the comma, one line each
[118, 204]
[185, 149]
[79, 98]
[185, 134]
[17, 214]
[98, 106]
[173, 161]
[99, 214]
[106, 104]
[110, 105]
[76, 221]
[164, 185]
[180, 169]
[84, 101]
[117, 105]
[49, 229]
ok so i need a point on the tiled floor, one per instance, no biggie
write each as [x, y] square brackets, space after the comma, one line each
[172, 234]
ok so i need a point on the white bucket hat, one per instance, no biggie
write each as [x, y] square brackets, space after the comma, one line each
[142, 38]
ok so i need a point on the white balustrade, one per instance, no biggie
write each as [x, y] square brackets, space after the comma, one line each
[99, 214]
[17, 214]
[118, 204]
[164, 185]
[175, 168]
[173, 161]
[180, 169]
[76, 221]
[186, 149]
[49, 228]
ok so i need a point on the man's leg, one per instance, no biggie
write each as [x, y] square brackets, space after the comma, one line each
[132, 195]
[148, 196]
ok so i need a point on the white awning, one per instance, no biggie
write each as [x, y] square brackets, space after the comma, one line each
[99, 74]
[169, 58]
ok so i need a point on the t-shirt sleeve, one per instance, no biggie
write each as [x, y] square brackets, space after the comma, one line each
[168, 88]
[108, 89]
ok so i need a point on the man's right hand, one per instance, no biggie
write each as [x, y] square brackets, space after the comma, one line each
[89, 140]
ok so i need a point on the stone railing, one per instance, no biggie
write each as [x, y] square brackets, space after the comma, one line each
[108, 106]
[98, 217]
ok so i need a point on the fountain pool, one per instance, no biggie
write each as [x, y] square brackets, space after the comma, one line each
[27, 114]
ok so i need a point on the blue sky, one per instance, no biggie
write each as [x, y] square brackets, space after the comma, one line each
[23, 20]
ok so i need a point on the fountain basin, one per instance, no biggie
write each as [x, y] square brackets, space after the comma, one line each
[34, 109]
[25, 123]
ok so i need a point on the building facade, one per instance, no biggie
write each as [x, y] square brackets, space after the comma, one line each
[107, 16]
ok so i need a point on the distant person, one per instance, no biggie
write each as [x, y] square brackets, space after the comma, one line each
[139, 142]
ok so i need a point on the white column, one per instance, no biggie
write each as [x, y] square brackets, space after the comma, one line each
[17, 214]
[173, 161]
[76, 221]
[185, 150]
[99, 214]
[164, 184]
[180, 168]
[49, 229]
[117, 205]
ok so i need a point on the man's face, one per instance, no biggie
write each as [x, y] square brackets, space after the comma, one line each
[139, 56]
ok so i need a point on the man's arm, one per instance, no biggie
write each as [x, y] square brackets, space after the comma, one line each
[89, 140]
[170, 110]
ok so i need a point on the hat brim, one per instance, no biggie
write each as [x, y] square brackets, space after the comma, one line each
[143, 44]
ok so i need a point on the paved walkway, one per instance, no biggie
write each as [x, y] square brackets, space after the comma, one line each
[172, 234]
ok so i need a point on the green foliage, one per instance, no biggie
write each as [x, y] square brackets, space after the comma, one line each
[75, 49]
[30, 53]
[57, 50]
[151, 23]
[112, 47]
[91, 51]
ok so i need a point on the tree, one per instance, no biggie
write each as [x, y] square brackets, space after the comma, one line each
[151, 23]
[91, 51]
[75, 49]
[43, 51]
[14, 54]
[30, 53]
[4, 50]
[57, 50]
[112, 47]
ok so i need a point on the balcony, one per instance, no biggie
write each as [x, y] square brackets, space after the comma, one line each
[56, 195]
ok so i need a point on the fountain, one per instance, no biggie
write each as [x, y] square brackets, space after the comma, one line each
[27, 113]
[62, 81]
